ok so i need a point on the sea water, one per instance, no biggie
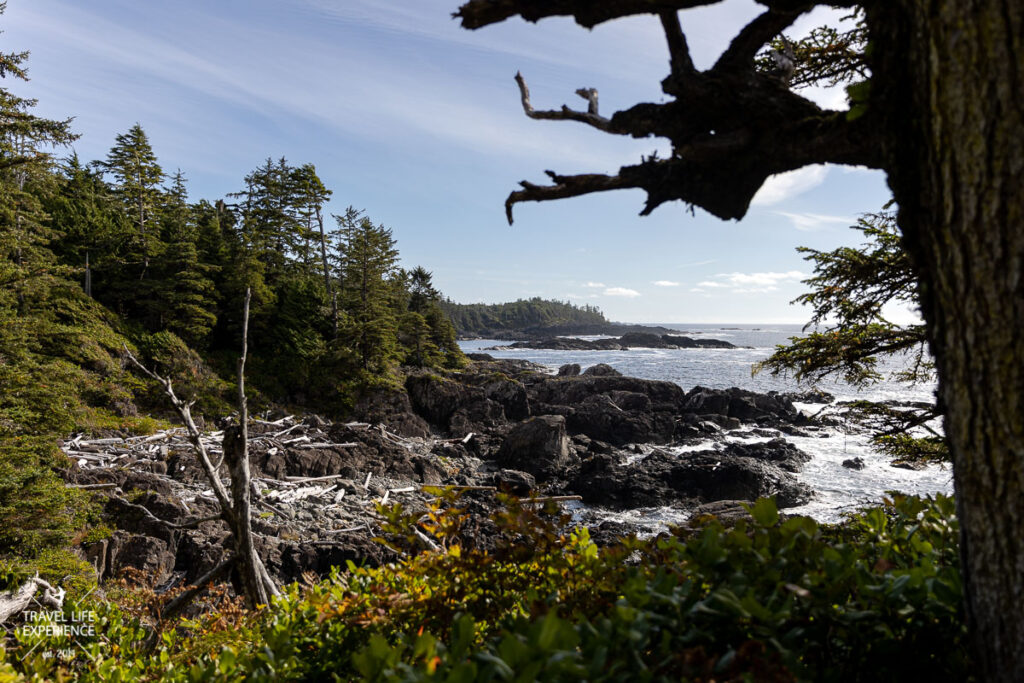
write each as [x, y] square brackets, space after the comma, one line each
[838, 490]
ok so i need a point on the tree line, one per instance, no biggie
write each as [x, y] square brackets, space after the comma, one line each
[483, 319]
[332, 309]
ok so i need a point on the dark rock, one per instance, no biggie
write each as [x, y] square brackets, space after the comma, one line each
[644, 340]
[816, 396]
[601, 370]
[740, 472]
[915, 465]
[854, 463]
[538, 446]
[690, 343]
[609, 532]
[515, 482]
[479, 356]
[630, 340]
[778, 451]
[146, 554]
[437, 398]
[728, 512]
[569, 370]
[394, 410]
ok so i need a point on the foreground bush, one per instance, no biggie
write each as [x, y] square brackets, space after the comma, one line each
[877, 598]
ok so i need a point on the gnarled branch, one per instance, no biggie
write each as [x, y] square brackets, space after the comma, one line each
[590, 117]
[589, 13]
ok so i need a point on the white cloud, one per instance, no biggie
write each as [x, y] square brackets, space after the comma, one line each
[665, 283]
[621, 291]
[761, 279]
[748, 283]
[594, 285]
[809, 222]
[782, 186]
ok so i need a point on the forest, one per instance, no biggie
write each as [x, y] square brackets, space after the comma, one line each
[483, 319]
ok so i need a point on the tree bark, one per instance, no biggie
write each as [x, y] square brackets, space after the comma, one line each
[950, 76]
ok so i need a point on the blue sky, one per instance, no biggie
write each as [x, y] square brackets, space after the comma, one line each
[418, 122]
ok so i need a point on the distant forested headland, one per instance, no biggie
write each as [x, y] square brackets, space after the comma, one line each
[486, 320]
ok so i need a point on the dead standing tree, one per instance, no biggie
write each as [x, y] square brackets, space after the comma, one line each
[943, 118]
[235, 507]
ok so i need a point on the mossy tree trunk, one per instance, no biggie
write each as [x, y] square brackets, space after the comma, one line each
[950, 76]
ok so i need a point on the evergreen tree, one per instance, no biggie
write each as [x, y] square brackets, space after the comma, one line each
[368, 259]
[84, 211]
[186, 293]
[138, 178]
[25, 260]
[849, 290]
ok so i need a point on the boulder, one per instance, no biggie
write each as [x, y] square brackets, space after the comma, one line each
[394, 410]
[601, 370]
[149, 555]
[539, 446]
[569, 370]
[516, 482]
[854, 463]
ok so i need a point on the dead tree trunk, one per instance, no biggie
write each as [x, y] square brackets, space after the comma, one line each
[235, 507]
[327, 272]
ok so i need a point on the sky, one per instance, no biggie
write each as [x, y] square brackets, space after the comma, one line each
[418, 122]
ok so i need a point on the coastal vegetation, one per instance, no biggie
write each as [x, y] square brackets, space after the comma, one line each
[101, 260]
[484, 320]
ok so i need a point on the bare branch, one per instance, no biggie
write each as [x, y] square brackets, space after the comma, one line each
[145, 512]
[565, 186]
[589, 13]
[678, 50]
[184, 410]
[590, 117]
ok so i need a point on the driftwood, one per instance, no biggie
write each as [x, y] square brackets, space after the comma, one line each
[14, 602]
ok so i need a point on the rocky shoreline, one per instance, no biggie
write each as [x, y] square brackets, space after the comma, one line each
[498, 425]
[632, 340]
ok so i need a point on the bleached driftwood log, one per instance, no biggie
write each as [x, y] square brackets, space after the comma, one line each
[13, 603]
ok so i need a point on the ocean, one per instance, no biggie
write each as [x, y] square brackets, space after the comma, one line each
[838, 490]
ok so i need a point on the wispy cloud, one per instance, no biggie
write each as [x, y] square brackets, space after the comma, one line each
[783, 186]
[341, 90]
[594, 285]
[621, 291]
[665, 283]
[748, 283]
[810, 222]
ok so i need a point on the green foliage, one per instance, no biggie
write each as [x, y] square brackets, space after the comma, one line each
[524, 314]
[769, 599]
[848, 291]
[828, 56]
